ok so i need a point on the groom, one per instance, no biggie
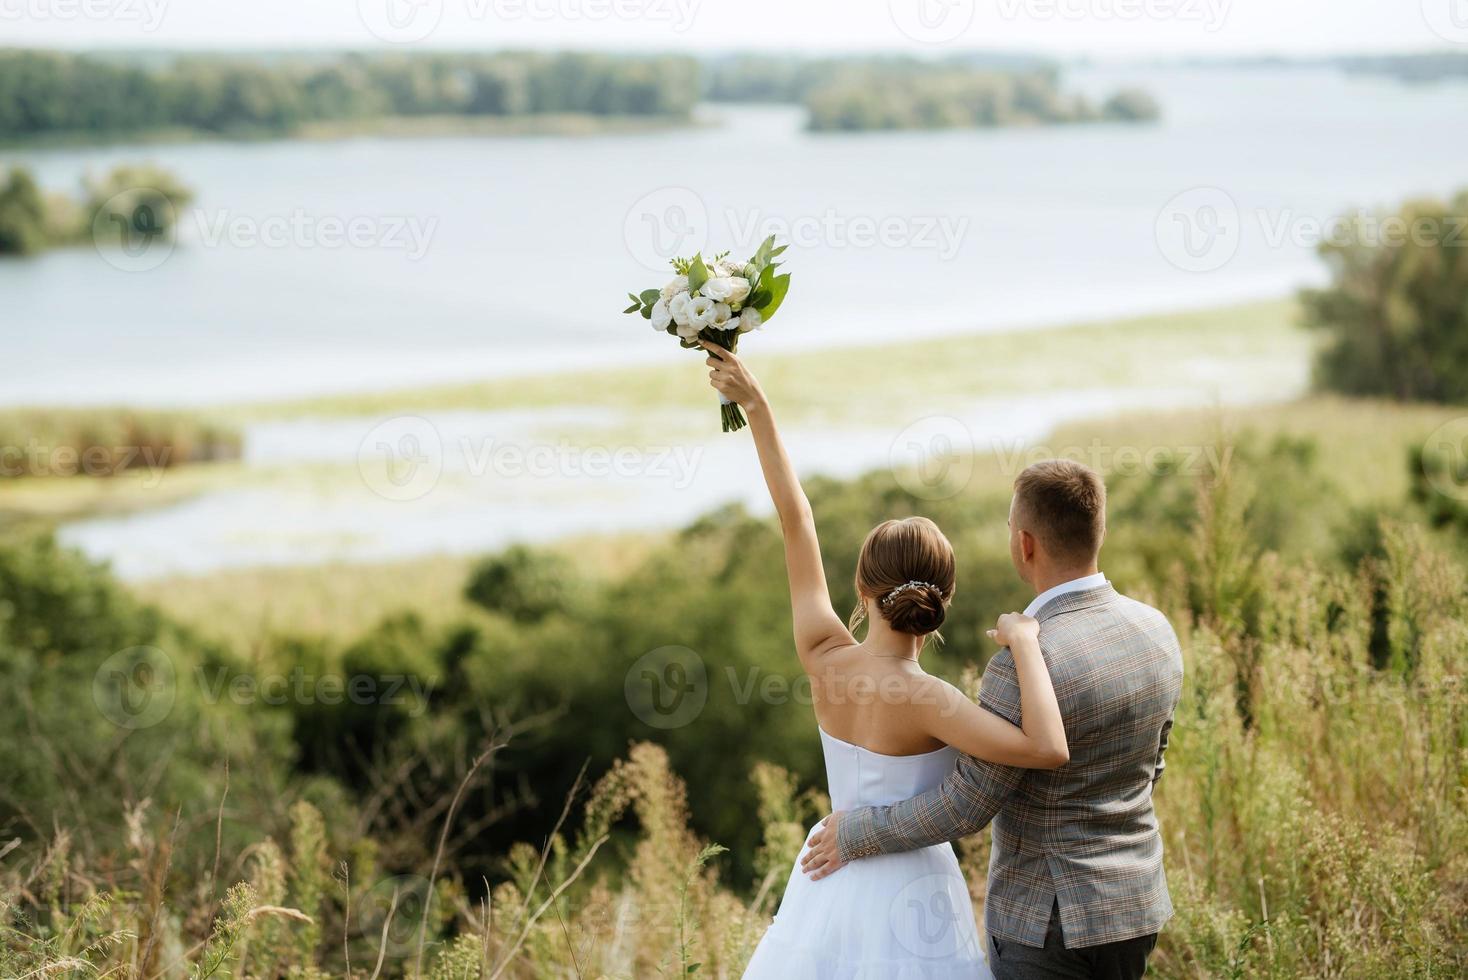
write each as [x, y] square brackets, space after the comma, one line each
[1076, 887]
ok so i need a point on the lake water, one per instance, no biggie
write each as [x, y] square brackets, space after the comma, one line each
[476, 257]
[485, 257]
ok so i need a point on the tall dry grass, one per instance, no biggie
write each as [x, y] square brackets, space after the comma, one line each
[1313, 810]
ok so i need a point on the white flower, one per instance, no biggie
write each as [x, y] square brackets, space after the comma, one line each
[688, 330]
[739, 289]
[749, 320]
[718, 289]
[678, 307]
[678, 285]
[701, 311]
[660, 315]
[720, 318]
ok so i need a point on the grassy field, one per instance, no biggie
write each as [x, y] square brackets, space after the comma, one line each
[1362, 442]
[246, 606]
[1256, 348]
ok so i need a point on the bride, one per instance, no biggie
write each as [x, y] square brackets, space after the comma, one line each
[889, 732]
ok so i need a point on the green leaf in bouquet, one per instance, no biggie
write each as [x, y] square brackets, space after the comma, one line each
[698, 274]
[779, 286]
[766, 252]
[759, 299]
[650, 296]
[647, 312]
[634, 308]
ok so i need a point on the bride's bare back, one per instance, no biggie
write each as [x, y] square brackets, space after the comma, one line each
[867, 698]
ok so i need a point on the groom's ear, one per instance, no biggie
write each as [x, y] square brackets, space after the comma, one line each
[1026, 545]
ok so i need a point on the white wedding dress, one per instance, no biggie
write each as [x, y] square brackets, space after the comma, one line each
[892, 917]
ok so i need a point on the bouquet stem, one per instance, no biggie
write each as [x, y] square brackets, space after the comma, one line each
[733, 417]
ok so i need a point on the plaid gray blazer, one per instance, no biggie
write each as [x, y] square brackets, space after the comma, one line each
[1084, 835]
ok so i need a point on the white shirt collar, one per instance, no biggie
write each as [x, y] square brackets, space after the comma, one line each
[1064, 588]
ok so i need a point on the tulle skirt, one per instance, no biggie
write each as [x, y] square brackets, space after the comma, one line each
[892, 917]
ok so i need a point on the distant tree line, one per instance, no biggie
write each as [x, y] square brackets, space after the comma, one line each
[971, 91]
[50, 92]
[790, 78]
[1425, 68]
[963, 99]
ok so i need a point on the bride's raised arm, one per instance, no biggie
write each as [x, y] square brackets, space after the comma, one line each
[817, 627]
[1040, 744]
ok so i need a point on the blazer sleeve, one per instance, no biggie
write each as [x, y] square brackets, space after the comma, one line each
[962, 805]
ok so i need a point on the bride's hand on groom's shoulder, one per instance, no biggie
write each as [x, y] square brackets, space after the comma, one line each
[730, 378]
[1014, 629]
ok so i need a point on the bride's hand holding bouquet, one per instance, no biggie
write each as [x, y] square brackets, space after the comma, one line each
[732, 380]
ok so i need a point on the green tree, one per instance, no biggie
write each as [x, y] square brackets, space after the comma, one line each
[1396, 311]
[523, 584]
[22, 215]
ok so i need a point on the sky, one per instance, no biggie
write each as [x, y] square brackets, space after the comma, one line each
[1099, 28]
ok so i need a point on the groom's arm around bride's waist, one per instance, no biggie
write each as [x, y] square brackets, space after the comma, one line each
[964, 804]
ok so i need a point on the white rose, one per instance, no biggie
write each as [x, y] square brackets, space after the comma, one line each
[678, 307]
[718, 289]
[660, 315]
[750, 320]
[720, 318]
[678, 285]
[701, 311]
[738, 289]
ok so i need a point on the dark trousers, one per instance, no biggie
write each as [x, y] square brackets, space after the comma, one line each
[1125, 960]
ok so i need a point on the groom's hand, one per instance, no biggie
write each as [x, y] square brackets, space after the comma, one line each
[823, 856]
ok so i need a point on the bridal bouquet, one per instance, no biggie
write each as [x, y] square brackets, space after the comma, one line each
[716, 300]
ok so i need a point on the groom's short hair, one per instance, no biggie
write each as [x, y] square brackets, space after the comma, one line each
[1063, 503]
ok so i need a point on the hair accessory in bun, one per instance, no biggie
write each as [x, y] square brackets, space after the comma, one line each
[887, 599]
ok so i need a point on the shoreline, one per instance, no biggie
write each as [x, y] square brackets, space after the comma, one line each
[569, 125]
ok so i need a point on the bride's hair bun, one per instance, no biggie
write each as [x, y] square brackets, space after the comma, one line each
[907, 566]
[918, 609]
